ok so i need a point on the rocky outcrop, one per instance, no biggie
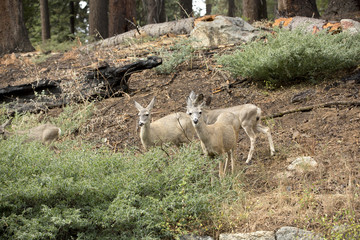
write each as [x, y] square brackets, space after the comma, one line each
[222, 30]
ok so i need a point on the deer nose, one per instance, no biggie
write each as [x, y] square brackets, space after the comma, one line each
[195, 120]
[141, 124]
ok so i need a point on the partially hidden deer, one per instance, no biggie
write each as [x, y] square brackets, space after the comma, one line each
[217, 138]
[45, 133]
[175, 128]
[249, 116]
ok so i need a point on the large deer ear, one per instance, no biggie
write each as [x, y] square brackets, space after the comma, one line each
[189, 102]
[138, 106]
[151, 104]
[192, 96]
[198, 99]
[208, 101]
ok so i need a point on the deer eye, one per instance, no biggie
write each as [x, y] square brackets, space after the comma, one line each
[200, 113]
[146, 114]
[189, 113]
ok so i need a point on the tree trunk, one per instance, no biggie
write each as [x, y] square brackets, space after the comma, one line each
[341, 9]
[155, 11]
[254, 10]
[291, 8]
[72, 17]
[98, 19]
[186, 8]
[231, 8]
[45, 20]
[13, 34]
[121, 14]
[208, 7]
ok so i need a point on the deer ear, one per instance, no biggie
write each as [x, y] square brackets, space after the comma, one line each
[208, 101]
[192, 95]
[138, 106]
[151, 104]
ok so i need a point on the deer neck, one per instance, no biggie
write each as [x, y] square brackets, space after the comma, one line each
[203, 131]
[145, 134]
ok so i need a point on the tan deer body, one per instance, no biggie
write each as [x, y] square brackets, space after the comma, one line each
[217, 138]
[249, 116]
[175, 128]
[45, 133]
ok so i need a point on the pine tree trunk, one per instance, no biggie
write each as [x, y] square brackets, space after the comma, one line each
[121, 14]
[208, 7]
[98, 19]
[72, 17]
[13, 34]
[45, 20]
[291, 8]
[254, 10]
[231, 8]
[186, 8]
[340, 9]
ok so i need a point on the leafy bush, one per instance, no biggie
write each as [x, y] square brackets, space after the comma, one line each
[288, 57]
[89, 193]
[177, 54]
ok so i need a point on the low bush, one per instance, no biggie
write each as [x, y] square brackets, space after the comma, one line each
[88, 193]
[288, 57]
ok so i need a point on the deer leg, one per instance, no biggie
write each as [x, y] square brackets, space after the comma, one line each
[266, 131]
[250, 132]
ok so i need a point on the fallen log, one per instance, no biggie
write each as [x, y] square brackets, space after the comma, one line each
[311, 107]
[102, 82]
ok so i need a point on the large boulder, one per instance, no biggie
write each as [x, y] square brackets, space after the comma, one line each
[259, 235]
[288, 233]
[222, 31]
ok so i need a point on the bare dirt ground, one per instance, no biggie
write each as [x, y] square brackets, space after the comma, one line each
[330, 135]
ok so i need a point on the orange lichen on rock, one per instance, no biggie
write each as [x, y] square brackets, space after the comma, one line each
[206, 18]
[282, 22]
[333, 27]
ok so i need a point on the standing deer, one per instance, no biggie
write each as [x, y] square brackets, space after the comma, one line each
[45, 133]
[217, 138]
[249, 117]
[175, 128]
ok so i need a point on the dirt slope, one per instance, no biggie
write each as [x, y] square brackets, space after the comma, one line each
[330, 135]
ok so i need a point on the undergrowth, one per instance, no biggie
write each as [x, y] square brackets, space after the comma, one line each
[289, 57]
[89, 193]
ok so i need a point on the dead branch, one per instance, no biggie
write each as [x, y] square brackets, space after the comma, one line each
[311, 107]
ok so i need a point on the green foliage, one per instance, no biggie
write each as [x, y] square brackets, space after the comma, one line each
[171, 58]
[89, 193]
[289, 57]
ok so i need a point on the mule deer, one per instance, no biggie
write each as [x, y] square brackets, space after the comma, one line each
[45, 133]
[175, 128]
[217, 138]
[249, 117]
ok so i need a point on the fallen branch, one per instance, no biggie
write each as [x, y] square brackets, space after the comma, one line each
[311, 107]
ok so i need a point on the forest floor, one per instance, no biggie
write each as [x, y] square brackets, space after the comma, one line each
[328, 134]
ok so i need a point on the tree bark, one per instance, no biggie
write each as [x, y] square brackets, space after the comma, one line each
[155, 11]
[72, 17]
[231, 8]
[208, 7]
[98, 19]
[186, 8]
[45, 20]
[291, 8]
[254, 10]
[121, 14]
[13, 34]
[340, 9]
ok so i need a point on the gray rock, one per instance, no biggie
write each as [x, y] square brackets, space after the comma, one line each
[306, 23]
[350, 25]
[302, 163]
[260, 235]
[223, 30]
[290, 233]
[194, 237]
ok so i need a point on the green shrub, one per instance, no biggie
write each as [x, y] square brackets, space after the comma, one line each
[180, 52]
[289, 57]
[89, 193]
